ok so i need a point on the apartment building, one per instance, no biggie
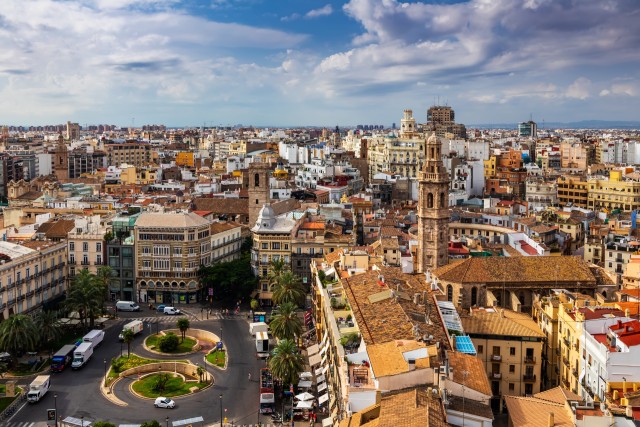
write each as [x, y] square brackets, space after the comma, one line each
[170, 247]
[86, 246]
[574, 156]
[614, 193]
[130, 152]
[399, 156]
[121, 258]
[510, 345]
[540, 193]
[85, 160]
[32, 273]
[226, 241]
[573, 190]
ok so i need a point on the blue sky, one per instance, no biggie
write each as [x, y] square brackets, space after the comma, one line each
[315, 62]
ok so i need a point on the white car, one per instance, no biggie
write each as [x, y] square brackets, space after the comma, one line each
[164, 402]
[171, 310]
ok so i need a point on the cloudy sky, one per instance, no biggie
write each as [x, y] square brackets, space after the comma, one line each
[316, 62]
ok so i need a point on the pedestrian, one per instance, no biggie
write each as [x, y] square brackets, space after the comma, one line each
[249, 376]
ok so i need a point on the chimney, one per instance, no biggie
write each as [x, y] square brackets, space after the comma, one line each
[624, 386]
[615, 395]
[627, 313]
[551, 422]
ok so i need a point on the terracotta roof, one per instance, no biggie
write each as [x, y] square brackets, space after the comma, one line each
[519, 271]
[558, 395]
[219, 227]
[532, 412]
[476, 377]
[387, 359]
[284, 206]
[500, 322]
[222, 206]
[410, 408]
[57, 228]
[312, 225]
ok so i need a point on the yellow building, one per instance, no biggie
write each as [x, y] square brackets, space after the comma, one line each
[238, 148]
[510, 345]
[490, 167]
[574, 190]
[613, 193]
[185, 158]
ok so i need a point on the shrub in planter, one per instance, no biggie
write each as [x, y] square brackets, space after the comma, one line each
[168, 343]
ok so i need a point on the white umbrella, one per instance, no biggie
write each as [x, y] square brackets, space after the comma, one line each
[304, 375]
[304, 404]
[305, 396]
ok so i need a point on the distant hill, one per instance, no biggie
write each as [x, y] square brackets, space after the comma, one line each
[583, 124]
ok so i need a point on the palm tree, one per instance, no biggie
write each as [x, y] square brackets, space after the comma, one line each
[183, 324]
[285, 323]
[18, 333]
[200, 372]
[286, 362]
[127, 337]
[46, 323]
[106, 276]
[85, 295]
[288, 288]
[276, 268]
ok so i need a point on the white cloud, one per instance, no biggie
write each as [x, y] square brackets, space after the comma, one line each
[579, 89]
[325, 10]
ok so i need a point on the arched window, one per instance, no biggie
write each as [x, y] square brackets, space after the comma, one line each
[604, 294]
[474, 296]
[430, 200]
[256, 180]
[449, 293]
[442, 205]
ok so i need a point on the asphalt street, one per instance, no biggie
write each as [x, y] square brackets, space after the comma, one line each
[78, 392]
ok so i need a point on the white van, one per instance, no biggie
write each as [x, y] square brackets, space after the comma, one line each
[171, 310]
[127, 306]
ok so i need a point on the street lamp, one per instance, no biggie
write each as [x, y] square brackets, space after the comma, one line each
[220, 410]
[105, 371]
[167, 420]
[55, 406]
[82, 421]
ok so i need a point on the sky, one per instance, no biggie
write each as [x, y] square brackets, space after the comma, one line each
[316, 62]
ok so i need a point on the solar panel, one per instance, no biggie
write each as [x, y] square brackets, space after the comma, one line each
[464, 345]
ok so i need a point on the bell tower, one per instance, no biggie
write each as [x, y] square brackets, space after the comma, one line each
[259, 173]
[433, 209]
[61, 160]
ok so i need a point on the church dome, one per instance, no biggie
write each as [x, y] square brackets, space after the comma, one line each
[266, 217]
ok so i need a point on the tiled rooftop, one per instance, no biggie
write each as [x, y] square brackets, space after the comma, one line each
[501, 322]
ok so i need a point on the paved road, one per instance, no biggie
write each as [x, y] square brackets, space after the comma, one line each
[78, 392]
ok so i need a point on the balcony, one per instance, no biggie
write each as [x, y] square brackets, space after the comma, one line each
[565, 361]
[529, 360]
[574, 371]
[496, 358]
[566, 384]
[85, 263]
[71, 262]
[11, 301]
[529, 377]
[566, 341]
[496, 375]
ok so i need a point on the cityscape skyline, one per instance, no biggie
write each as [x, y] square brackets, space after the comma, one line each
[185, 63]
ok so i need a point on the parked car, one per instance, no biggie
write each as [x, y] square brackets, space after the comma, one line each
[171, 310]
[161, 308]
[164, 402]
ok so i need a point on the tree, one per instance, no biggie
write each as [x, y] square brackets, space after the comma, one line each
[127, 337]
[103, 424]
[85, 295]
[276, 269]
[230, 280]
[3, 369]
[286, 362]
[49, 330]
[350, 340]
[168, 343]
[153, 423]
[254, 304]
[160, 382]
[183, 324]
[106, 276]
[200, 372]
[18, 333]
[285, 323]
[288, 288]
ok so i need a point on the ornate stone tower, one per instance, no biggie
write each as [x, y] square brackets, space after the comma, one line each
[61, 160]
[408, 127]
[433, 211]
[259, 174]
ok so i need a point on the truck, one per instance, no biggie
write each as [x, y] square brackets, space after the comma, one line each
[262, 344]
[256, 327]
[267, 392]
[38, 388]
[136, 327]
[94, 337]
[127, 306]
[62, 358]
[81, 355]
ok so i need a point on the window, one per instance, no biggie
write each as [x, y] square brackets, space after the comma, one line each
[72, 246]
[511, 387]
[449, 293]
[85, 246]
[265, 246]
[512, 369]
[528, 389]
[480, 349]
[177, 250]
[275, 245]
[146, 264]
[98, 246]
[146, 250]
[496, 350]
[512, 351]
[98, 259]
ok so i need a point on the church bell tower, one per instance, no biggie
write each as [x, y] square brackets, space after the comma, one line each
[433, 209]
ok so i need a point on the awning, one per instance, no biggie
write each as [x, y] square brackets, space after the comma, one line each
[306, 375]
[330, 271]
[327, 422]
[325, 368]
[323, 398]
[320, 379]
[304, 404]
[265, 295]
[313, 350]
[324, 360]
[322, 387]
[314, 360]
[187, 421]
[304, 384]
[305, 396]
[77, 421]
[319, 371]
[324, 348]
[324, 338]
[332, 402]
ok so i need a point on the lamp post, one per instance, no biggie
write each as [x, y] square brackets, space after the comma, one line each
[167, 420]
[105, 371]
[220, 410]
[55, 406]
[82, 421]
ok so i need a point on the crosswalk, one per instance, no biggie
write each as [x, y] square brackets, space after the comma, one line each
[192, 318]
[24, 424]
